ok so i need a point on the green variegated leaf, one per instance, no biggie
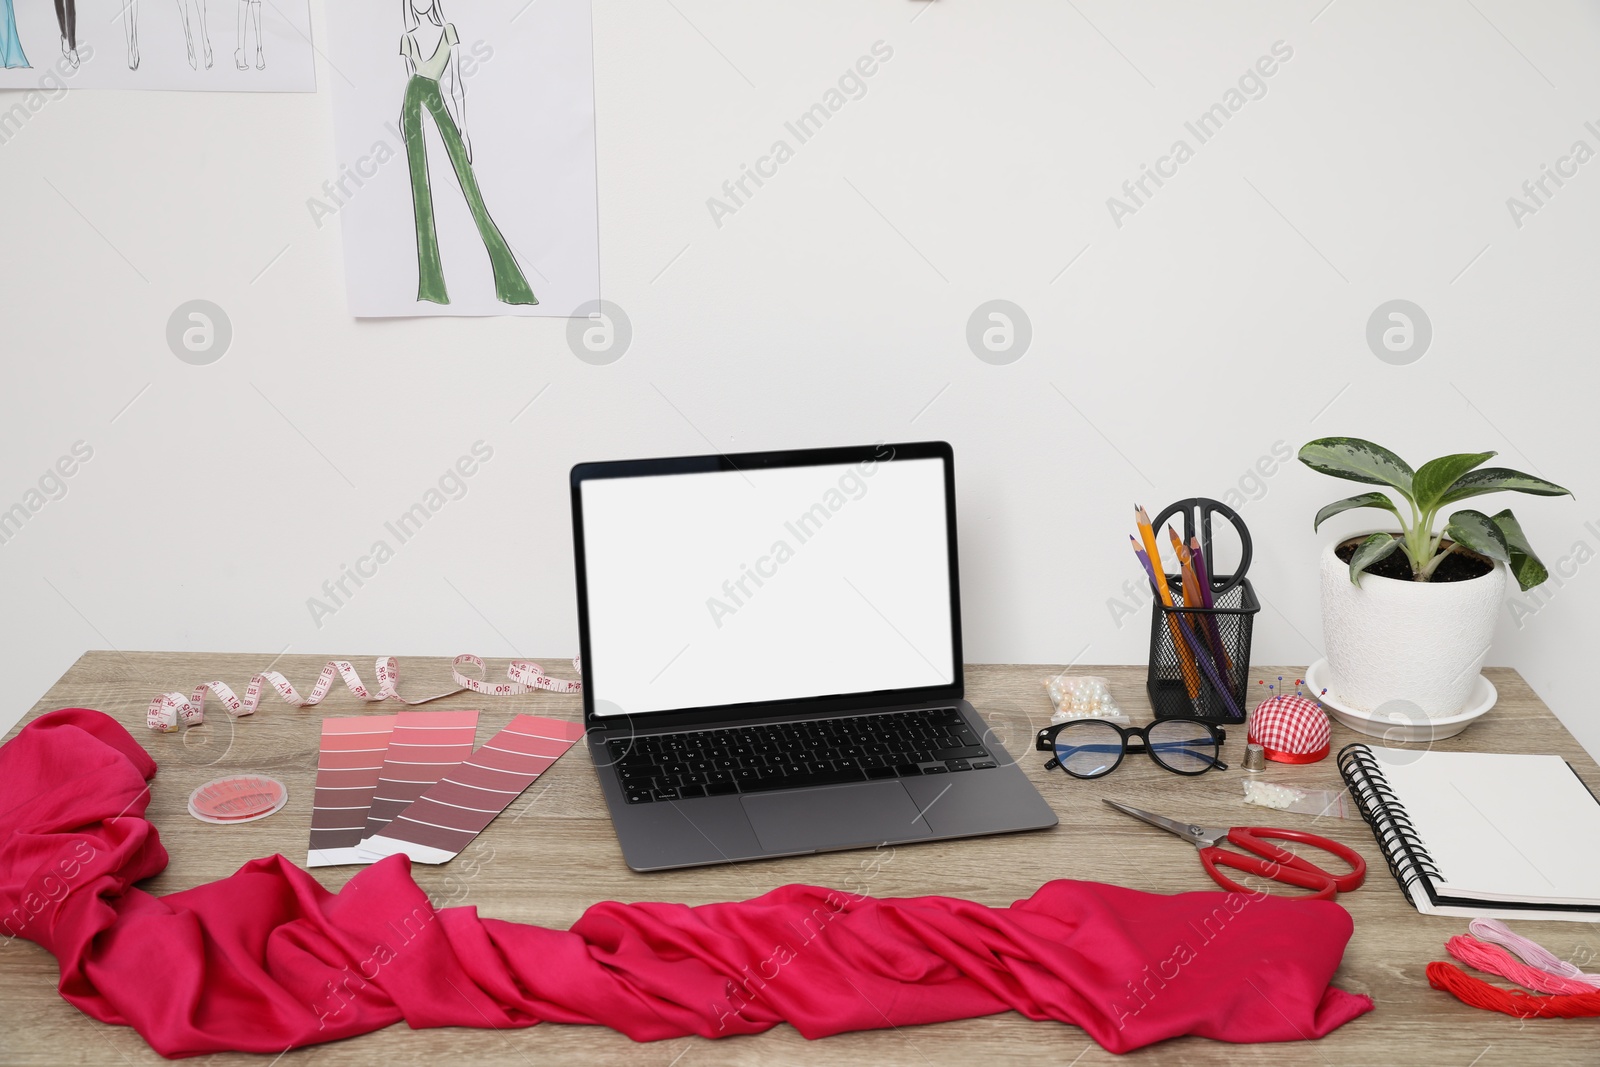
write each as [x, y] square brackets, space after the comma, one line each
[1497, 479]
[1358, 461]
[1524, 564]
[1436, 477]
[1475, 530]
[1364, 500]
[1370, 551]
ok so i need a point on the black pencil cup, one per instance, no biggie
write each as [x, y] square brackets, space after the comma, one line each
[1215, 650]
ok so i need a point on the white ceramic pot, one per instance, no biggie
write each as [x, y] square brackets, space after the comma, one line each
[1390, 640]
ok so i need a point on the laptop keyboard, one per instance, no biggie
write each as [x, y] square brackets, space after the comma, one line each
[790, 755]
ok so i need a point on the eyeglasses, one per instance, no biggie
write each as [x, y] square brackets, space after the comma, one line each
[1093, 748]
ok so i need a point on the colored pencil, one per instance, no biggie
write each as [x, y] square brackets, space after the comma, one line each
[1197, 596]
[1202, 572]
[1147, 533]
[1191, 588]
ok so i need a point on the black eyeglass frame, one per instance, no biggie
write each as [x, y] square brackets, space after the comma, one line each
[1046, 742]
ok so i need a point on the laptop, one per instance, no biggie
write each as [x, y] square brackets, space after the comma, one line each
[771, 649]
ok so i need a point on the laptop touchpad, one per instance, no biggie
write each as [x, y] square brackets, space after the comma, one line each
[834, 817]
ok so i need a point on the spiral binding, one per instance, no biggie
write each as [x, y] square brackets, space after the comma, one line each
[1391, 826]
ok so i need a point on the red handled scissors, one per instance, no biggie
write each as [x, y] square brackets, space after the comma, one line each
[1266, 860]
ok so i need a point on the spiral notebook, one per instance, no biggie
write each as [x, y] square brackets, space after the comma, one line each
[1481, 834]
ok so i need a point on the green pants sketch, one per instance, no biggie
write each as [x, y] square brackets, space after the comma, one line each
[509, 284]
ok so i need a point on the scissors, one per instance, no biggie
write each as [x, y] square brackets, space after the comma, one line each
[1266, 860]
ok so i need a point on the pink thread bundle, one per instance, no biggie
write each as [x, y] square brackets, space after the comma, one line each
[1530, 952]
[1492, 959]
[1573, 994]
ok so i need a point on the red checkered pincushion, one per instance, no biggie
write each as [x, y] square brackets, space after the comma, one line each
[1290, 728]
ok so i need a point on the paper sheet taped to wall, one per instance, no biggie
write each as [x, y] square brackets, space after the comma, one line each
[219, 46]
[465, 157]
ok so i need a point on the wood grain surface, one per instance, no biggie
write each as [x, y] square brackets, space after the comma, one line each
[553, 853]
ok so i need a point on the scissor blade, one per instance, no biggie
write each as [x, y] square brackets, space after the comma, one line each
[1198, 836]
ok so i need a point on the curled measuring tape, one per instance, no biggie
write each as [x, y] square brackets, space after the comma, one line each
[167, 710]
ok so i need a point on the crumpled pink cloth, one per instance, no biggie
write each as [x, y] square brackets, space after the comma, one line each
[268, 959]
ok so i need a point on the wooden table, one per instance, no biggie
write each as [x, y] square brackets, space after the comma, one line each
[553, 854]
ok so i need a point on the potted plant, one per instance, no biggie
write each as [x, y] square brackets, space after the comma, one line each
[1409, 614]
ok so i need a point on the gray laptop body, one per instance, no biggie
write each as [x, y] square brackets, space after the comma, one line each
[735, 609]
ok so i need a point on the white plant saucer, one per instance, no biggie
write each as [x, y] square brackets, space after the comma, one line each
[1398, 726]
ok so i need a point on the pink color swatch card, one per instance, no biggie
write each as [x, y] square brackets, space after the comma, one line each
[446, 818]
[348, 766]
[425, 746]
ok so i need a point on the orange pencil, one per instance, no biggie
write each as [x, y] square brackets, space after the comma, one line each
[1191, 588]
[1147, 534]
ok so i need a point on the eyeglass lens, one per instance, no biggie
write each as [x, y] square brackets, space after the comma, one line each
[1088, 749]
[1181, 745]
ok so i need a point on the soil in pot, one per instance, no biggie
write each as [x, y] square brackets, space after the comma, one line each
[1462, 565]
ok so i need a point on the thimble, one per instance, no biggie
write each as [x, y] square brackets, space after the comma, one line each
[1255, 758]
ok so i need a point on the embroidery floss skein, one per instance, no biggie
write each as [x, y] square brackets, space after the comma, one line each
[1480, 994]
[1492, 959]
[1530, 952]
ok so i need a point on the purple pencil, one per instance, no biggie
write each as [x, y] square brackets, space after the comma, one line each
[1203, 574]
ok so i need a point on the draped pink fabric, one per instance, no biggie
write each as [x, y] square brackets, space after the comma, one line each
[268, 959]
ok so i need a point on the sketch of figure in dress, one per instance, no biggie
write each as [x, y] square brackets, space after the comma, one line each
[67, 19]
[11, 54]
[249, 16]
[190, 26]
[436, 86]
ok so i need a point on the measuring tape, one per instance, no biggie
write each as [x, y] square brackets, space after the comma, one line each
[167, 710]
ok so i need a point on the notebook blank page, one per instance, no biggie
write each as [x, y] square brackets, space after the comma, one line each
[1501, 827]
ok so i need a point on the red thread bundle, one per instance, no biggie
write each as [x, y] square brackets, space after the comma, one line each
[1480, 994]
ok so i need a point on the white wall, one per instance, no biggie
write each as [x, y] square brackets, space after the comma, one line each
[830, 308]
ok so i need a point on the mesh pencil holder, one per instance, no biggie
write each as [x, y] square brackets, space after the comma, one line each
[1199, 655]
[1217, 643]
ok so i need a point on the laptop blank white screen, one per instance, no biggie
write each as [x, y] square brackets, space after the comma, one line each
[729, 587]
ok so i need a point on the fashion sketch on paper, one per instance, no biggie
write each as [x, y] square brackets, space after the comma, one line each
[193, 15]
[67, 19]
[435, 86]
[11, 54]
[249, 18]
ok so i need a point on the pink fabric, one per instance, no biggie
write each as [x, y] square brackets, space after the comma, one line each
[267, 959]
